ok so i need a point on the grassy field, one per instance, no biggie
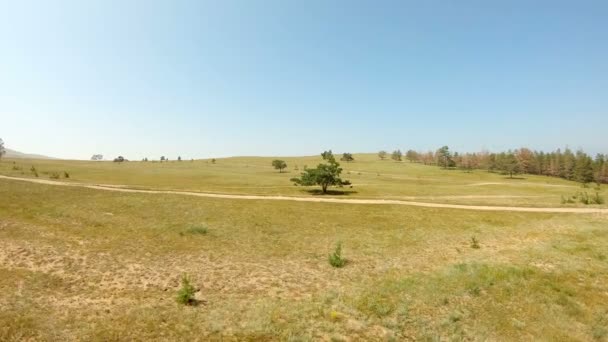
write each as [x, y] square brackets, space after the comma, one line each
[371, 178]
[84, 264]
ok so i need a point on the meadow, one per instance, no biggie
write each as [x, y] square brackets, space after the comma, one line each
[371, 178]
[85, 264]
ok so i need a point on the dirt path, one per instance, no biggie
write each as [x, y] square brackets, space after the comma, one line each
[123, 188]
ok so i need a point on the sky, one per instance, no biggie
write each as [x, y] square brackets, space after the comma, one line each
[202, 79]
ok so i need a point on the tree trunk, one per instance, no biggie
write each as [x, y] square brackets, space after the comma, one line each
[324, 187]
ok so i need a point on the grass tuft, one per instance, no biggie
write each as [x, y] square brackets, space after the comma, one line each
[197, 229]
[475, 243]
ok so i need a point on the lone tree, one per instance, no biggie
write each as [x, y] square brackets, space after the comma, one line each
[347, 157]
[279, 165]
[97, 157]
[2, 150]
[325, 174]
[119, 159]
[382, 155]
[179, 158]
[396, 156]
[162, 158]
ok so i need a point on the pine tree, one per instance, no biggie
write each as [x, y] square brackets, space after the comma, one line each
[583, 171]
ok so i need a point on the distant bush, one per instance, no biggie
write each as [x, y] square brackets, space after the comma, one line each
[66, 174]
[475, 243]
[185, 295]
[16, 168]
[54, 175]
[335, 258]
[597, 199]
[583, 198]
[198, 229]
[568, 200]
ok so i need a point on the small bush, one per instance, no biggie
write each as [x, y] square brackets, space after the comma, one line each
[198, 229]
[66, 174]
[185, 295]
[335, 258]
[54, 175]
[16, 168]
[475, 243]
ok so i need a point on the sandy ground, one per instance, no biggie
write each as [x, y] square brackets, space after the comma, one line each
[123, 188]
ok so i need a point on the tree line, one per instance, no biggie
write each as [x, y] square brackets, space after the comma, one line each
[576, 166]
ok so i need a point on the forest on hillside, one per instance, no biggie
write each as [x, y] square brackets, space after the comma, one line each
[576, 166]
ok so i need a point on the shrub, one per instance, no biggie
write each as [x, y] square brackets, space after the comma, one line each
[475, 243]
[54, 175]
[598, 199]
[584, 198]
[335, 258]
[185, 295]
[66, 174]
[569, 199]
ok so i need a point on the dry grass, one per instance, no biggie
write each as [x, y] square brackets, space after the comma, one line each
[81, 264]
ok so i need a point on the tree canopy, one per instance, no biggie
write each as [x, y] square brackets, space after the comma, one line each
[325, 174]
[396, 156]
[347, 157]
[279, 164]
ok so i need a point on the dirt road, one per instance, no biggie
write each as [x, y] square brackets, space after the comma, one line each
[124, 188]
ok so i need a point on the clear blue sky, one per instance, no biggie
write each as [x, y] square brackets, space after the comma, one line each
[222, 78]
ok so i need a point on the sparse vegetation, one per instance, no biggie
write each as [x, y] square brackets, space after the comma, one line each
[475, 243]
[261, 262]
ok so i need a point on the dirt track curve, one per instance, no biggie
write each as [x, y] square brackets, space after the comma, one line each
[124, 188]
